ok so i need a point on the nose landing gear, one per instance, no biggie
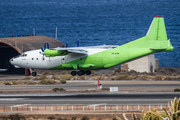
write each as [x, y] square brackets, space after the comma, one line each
[81, 72]
[34, 73]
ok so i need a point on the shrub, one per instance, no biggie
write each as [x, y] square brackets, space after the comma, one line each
[55, 77]
[4, 117]
[82, 77]
[14, 82]
[41, 78]
[170, 78]
[65, 77]
[74, 118]
[8, 83]
[105, 88]
[85, 118]
[55, 89]
[158, 77]
[51, 117]
[45, 73]
[47, 81]
[63, 81]
[114, 118]
[60, 118]
[132, 71]
[177, 90]
[123, 77]
[146, 77]
[61, 89]
[17, 117]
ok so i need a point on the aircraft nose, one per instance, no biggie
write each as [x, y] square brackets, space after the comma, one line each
[11, 60]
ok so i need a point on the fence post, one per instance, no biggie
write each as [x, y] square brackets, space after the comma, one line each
[88, 107]
[17, 109]
[149, 107]
[132, 107]
[155, 106]
[31, 108]
[27, 108]
[161, 107]
[94, 107]
[127, 107]
[116, 107]
[111, 107]
[11, 108]
[45, 108]
[67, 108]
[72, 107]
[22, 108]
[51, 108]
[56, 108]
[4, 108]
[138, 107]
[105, 107]
[62, 108]
[83, 108]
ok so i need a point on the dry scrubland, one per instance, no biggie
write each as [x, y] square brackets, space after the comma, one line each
[172, 112]
[60, 77]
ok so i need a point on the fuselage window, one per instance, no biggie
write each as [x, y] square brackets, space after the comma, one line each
[36, 58]
[32, 58]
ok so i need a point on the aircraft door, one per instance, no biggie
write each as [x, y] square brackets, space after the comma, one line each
[63, 59]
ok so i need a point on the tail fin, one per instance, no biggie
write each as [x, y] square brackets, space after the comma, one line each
[157, 29]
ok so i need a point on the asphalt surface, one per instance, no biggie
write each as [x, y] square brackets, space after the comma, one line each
[120, 98]
[81, 85]
[87, 98]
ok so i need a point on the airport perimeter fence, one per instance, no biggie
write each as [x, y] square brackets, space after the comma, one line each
[83, 108]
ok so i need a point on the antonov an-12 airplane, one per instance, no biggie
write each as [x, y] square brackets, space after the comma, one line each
[84, 59]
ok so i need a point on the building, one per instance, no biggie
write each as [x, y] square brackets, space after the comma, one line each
[143, 64]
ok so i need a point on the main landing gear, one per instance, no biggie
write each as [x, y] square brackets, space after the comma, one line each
[81, 72]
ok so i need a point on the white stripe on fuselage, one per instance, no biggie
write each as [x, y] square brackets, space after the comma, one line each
[35, 60]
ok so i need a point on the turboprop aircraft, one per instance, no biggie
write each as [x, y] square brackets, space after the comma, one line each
[81, 60]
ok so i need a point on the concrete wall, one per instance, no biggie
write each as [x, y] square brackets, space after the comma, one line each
[144, 64]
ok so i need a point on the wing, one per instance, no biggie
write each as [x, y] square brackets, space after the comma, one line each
[63, 51]
[80, 50]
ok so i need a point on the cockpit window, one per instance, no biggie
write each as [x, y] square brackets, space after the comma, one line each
[17, 56]
[23, 55]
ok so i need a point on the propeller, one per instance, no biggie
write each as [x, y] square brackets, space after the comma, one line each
[46, 46]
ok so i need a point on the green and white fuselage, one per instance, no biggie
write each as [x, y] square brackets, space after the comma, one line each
[97, 57]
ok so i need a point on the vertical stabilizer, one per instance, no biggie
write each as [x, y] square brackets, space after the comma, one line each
[157, 29]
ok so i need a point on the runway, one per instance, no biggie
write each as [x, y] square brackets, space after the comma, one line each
[86, 98]
[85, 85]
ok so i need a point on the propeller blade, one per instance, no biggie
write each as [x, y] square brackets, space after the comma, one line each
[47, 45]
[66, 44]
[78, 43]
[42, 49]
[44, 46]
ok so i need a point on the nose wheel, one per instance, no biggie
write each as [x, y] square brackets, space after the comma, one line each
[34, 73]
[80, 72]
